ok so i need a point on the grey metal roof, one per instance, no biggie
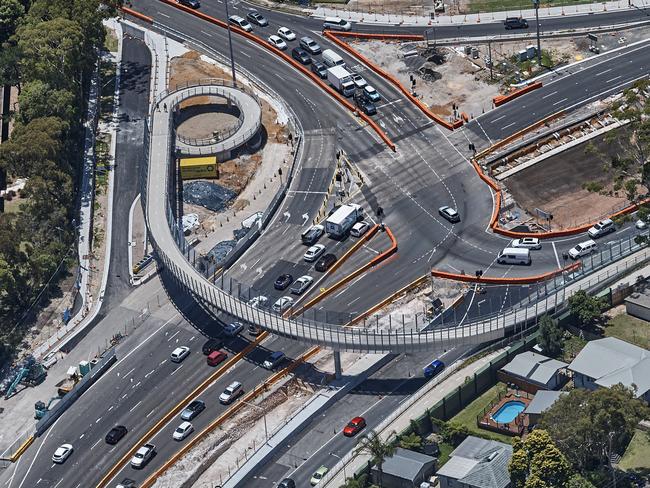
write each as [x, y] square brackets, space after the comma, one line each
[641, 299]
[543, 400]
[406, 464]
[480, 463]
[610, 361]
[534, 367]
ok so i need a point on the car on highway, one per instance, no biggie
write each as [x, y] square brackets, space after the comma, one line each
[320, 69]
[179, 354]
[311, 235]
[300, 55]
[359, 81]
[641, 224]
[282, 304]
[254, 330]
[62, 453]
[277, 42]
[216, 357]
[515, 23]
[354, 426]
[449, 213]
[258, 301]
[367, 106]
[527, 243]
[336, 23]
[371, 94]
[583, 249]
[257, 18]
[182, 431]
[301, 284]
[434, 368]
[231, 393]
[231, 330]
[211, 345]
[309, 45]
[318, 475]
[359, 229]
[240, 22]
[602, 228]
[283, 281]
[287, 483]
[273, 360]
[325, 262]
[190, 3]
[286, 34]
[193, 409]
[314, 252]
[143, 456]
[115, 434]
[126, 483]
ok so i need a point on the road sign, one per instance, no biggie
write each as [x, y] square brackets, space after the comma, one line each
[542, 215]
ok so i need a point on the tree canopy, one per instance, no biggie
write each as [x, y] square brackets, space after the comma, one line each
[537, 462]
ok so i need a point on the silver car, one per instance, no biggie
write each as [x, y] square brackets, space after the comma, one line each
[301, 284]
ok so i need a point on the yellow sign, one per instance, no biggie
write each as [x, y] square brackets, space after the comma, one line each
[192, 168]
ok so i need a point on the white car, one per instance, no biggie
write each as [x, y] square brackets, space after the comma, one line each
[179, 354]
[301, 284]
[359, 81]
[359, 229]
[601, 228]
[142, 456]
[259, 301]
[527, 243]
[62, 453]
[282, 304]
[314, 252]
[276, 41]
[371, 94]
[286, 34]
[182, 431]
[231, 330]
[233, 390]
[641, 224]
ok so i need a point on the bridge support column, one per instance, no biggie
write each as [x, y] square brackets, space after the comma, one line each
[338, 371]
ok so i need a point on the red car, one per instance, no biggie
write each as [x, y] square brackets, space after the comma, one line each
[354, 426]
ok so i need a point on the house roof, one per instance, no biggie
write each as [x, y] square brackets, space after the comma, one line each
[534, 367]
[480, 463]
[543, 400]
[610, 361]
[406, 464]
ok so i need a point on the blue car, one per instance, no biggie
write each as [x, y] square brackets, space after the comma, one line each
[433, 369]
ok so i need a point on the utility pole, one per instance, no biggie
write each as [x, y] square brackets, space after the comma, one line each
[539, 45]
[490, 59]
[232, 59]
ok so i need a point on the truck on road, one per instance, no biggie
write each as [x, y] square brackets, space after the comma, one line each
[341, 79]
[143, 456]
[340, 222]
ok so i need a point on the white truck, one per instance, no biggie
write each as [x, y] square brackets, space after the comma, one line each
[143, 456]
[341, 79]
[341, 221]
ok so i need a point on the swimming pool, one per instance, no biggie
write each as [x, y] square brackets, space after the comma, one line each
[508, 412]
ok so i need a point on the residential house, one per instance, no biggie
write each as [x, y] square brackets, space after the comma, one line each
[405, 469]
[531, 372]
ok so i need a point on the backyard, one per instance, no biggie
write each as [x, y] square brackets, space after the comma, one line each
[637, 454]
[629, 329]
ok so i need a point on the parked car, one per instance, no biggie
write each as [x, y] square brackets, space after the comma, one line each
[62, 453]
[311, 235]
[602, 228]
[359, 229]
[641, 224]
[367, 107]
[254, 330]
[434, 368]
[277, 42]
[273, 360]
[320, 69]
[179, 354]
[240, 22]
[301, 284]
[515, 23]
[583, 249]
[126, 483]
[527, 242]
[336, 23]
[371, 94]
[190, 3]
[143, 456]
[233, 391]
[182, 431]
[287, 483]
[216, 357]
[300, 55]
[193, 409]
[309, 45]
[359, 81]
[283, 281]
[354, 426]
[325, 262]
[286, 34]
[318, 475]
[231, 330]
[257, 18]
[211, 345]
[449, 213]
[282, 304]
[258, 301]
[313, 253]
[115, 434]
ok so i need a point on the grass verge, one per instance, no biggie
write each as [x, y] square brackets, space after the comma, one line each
[629, 329]
[637, 454]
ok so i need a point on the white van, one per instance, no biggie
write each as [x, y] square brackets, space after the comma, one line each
[331, 59]
[513, 255]
[336, 23]
[583, 249]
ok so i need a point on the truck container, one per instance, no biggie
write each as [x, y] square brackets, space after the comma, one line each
[341, 79]
[340, 222]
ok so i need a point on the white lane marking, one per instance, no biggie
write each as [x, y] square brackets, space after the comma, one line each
[31, 465]
[509, 125]
[203, 32]
[358, 298]
[97, 421]
[127, 374]
[165, 360]
[110, 408]
[135, 406]
[173, 372]
[603, 72]
[61, 481]
[164, 15]
[173, 335]
[149, 373]
[614, 79]
[152, 411]
[549, 95]
[98, 441]
[560, 101]
[136, 385]
[245, 54]
[389, 103]
[498, 118]
[557, 259]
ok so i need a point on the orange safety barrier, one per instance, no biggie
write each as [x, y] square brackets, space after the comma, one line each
[501, 99]
[504, 281]
[394, 81]
[136, 14]
[381, 37]
[292, 62]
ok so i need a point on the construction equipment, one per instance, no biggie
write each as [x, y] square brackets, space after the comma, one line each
[29, 372]
[72, 378]
[41, 408]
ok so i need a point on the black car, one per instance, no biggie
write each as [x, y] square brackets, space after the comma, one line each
[364, 104]
[192, 410]
[212, 345]
[257, 18]
[190, 3]
[283, 281]
[127, 483]
[515, 23]
[325, 262]
[300, 55]
[287, 483]
[320, 69]
[115, 434]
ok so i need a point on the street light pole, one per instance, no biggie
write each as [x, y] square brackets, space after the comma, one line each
[539, 45]
[345, 477]
[232, 59]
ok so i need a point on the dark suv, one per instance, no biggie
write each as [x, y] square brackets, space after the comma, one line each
[300, 55]
[283, 281]
[325, 262]
[320, 69]
[257, 18]
[115, 434]
[515, 23]
[364, 104]
[190, 3]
